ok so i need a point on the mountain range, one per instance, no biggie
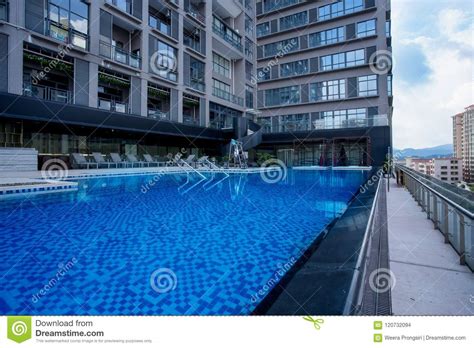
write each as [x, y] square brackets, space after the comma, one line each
[429, 152]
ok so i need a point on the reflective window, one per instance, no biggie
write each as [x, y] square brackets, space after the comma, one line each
[366, 28]
[328, 90]
[282, 96]
[299, 67]
[294, 20]
[367, 85]
[326, 37]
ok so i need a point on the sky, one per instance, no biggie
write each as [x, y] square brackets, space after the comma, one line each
[433, 57]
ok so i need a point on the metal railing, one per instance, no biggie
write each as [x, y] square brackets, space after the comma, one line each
[374, 121]
[450, 208]
[66, 35]
[119, 55]
[159, 25]
[220, 93]
[106, 104]
[195, 14]
[48, 93]
[158, 114]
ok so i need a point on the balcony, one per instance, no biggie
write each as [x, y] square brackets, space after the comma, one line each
[4, 6]
[375, 121]
[220, 93]
[47, 93]
[227, 34]
[119, 55]
[160, 24]
[158, 114]
[193, 11]
[65, 35]
[112, 105]
[123, 5]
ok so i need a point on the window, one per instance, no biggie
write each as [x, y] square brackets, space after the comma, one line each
[272, 5]
[340, 8]
[166, 61]
[192, 38]
[281, 47]
[263, 74]
[263, 29]
[282, 96]
[388, 29]
[366, 28]
[328, 90]
[249, 92]
[249, 26]
[389, 85]
[249, 49]
[299, 67]
[69, 14]
[197, 70]
[220, 85]
[326, 37]
[367, 86]
[227, 33]
[342, 60]
[221, 65]
[342, 119]
[294, 20]
[294, 123]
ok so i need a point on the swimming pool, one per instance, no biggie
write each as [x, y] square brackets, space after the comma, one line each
[162, 244]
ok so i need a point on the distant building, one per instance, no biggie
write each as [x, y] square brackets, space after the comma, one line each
[447, 169]
[463, 141]
[422, 165]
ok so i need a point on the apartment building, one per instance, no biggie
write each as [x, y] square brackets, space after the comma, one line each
[422, 165]
[463, 140]
[324, 80]
[126, 75]
[447, 169]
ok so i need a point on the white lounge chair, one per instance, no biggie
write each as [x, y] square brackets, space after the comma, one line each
[79, 161]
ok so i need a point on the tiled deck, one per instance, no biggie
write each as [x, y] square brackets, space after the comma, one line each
[428, 277]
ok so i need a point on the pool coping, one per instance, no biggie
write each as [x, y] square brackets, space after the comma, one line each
[320, 282]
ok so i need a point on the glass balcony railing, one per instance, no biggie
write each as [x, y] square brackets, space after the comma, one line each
[375, 121]
[119, 55]
[158, 114]
[66, 35]
[160, 25]
[220, 93]
[194, 12]
[189, 119]
[48, 93]
[111, 105]
[228, 35]
[4, 10]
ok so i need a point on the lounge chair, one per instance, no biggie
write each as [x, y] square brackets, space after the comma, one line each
[149, 160]
[79, 161]
[133, 160]
[190, 160]
[99, 158]
[118, 160]
[202, 161]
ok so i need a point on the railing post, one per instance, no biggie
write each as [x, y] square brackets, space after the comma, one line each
[462, 240]
[428, 204]
[446, 222]
[435, 212]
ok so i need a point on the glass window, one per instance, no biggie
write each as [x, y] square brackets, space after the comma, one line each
[166, 63]
[272, 5]
[197, 71]
[294, 20]
[389, 86]
[221, 65]
[263, 29]
[299, 67]
[339, 8]
[328, 90]
[263, 74]
[282, 96]
[366, 28]
[249, 96]
[281, 47]
[343, 60]
[367, 85]
[326, 37]
[249, 26]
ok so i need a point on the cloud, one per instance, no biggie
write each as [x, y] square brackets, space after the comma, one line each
[433, 72]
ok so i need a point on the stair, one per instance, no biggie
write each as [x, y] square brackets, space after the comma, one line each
[18, 159]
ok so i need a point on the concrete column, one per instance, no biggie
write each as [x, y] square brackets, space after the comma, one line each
[93, 84]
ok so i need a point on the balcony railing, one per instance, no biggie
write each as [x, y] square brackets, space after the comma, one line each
[119, 55]
[48, 93]
[450, 208]
[159, 25]
[220, 93]
[111, 105]
[197, 84]
[376, 121]
[193, 12]
[124, 5]
[4, 6]
[158, 114]
[66, 35]
[189, 119]
[227, 37]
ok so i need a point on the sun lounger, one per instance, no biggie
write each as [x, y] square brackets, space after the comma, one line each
[150, 161]
[99, 158]
[118, 160]
[79, 161]
[133, 160]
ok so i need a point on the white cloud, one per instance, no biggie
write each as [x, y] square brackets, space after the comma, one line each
[422, 111]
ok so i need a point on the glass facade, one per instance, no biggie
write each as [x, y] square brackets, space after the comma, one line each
[221, 65]
[328, 90]
[326, 37]
[299, 67]
[367, 86]
[197, 70]
[68, 21]
[366, 28]
[342, 60]
[339, 8]
[281, 47]
[282, 96]
[165, 61]
[294, 20]
[263, 29]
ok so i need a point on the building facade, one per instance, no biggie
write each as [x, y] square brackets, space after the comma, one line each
[422, 165]
[463, 140]
[325, 81]
[447, 169]
[126, 76]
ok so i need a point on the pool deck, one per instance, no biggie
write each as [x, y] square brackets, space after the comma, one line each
[428, 277]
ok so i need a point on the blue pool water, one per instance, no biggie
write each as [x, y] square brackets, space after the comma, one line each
[145, 245]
